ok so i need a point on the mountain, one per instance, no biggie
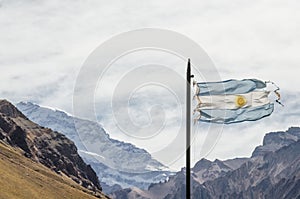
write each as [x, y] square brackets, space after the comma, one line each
[23, 178]
[276, 140]
[22, 138]
[272, 172]
[117, 164]
[204, 170]
[261, 177]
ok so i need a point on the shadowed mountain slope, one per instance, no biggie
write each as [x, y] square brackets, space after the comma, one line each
[46, 147]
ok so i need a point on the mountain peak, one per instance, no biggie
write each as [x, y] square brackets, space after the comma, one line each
[275, 140]
[275, 175]
[123, 163]
[10, 110]
[221, 164]
[43, 145]
[294, 130]
[202, 164]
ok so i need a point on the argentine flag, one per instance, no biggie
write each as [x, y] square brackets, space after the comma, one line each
[232, 101]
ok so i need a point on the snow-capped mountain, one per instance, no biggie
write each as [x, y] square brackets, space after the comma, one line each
[273, 172]
[116, 163]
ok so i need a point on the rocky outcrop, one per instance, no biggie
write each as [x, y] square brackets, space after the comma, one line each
[276, 140]
[43, 145]
[205, 170]
[117, 164]
[273, 172]
[275, 175]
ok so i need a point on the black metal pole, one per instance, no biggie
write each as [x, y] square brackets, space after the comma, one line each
[188, 130]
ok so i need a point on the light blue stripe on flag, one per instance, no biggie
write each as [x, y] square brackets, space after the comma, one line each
[229, 87]
[227, 116]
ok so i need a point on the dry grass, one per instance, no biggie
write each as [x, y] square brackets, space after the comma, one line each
[23, 178]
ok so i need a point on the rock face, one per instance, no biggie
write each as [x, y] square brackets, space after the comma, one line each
[276, 140]
[205, 170]
[260, 177]
[117, 164]
[273, 172]
[43, 145]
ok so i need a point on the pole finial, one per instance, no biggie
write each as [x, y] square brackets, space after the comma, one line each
[189, 65]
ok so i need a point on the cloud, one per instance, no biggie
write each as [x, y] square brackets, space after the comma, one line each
[44, 44]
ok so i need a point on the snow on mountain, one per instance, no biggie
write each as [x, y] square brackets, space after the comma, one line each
[115, 162]
[273, 172]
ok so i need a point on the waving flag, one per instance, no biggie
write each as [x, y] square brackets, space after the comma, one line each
[232, 101]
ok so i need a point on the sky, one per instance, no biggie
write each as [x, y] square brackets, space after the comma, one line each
[44, 45]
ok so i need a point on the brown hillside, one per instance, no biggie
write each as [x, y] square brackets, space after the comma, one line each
[20, 177]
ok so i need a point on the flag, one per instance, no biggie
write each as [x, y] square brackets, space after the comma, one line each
[232, 101]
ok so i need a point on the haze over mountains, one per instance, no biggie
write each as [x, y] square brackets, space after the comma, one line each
[117, 164]
[273, 172]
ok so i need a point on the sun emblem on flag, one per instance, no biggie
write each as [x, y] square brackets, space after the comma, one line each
[240, 101]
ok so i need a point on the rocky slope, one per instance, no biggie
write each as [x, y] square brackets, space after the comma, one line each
[45, 146]
[260, 177]
[203, 171]
[276, 140]
[23, 178]
[272, 172]
[116, 163]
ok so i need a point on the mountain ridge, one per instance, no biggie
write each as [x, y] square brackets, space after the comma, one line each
[45, 146]
[116, 163]
[24, 178]
[273, 174]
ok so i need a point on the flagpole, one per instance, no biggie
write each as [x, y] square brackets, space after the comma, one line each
[188, 130]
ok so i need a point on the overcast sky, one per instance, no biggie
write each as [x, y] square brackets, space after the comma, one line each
[45, 43]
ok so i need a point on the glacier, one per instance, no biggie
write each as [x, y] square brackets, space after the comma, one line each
[117, 164]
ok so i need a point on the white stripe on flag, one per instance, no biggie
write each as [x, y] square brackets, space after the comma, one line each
[252, 99]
